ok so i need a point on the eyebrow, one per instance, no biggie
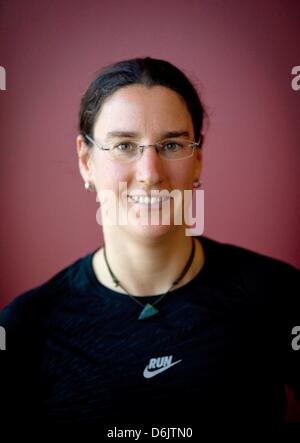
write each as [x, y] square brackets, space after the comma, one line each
[130, 134]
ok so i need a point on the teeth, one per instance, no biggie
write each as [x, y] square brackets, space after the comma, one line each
[146, 200]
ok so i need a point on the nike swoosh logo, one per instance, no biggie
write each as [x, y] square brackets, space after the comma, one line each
[150, 374]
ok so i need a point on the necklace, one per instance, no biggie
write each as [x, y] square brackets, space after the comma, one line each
[149, 309]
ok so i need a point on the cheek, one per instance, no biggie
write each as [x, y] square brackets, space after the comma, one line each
[181, 176]
[109, 175]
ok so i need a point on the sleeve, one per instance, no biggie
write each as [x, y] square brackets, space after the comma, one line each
[278, 285]
[292, 320]
[19, 363]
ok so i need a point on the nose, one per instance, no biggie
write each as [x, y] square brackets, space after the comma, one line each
[149, 167]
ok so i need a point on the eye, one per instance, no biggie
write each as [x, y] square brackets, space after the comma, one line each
[125, 147]
[172, 146]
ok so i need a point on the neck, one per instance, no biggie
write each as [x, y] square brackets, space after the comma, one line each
[147, 266]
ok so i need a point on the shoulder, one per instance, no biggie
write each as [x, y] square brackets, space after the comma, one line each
[36, 304]
[257, 288]
[246, 259]
[256, 272]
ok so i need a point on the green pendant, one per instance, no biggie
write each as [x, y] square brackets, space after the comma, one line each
[148, 311]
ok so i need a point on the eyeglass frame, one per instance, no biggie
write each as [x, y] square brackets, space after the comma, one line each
[155, 145]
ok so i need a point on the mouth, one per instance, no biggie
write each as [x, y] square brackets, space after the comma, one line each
[147, 201]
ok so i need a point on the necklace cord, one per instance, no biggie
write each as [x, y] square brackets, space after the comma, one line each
[182, 274]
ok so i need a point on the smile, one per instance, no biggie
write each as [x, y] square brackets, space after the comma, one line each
[147, 200]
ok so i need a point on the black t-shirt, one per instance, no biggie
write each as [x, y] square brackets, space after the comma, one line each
[220, 349]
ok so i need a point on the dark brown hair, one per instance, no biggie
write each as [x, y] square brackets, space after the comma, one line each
[145, 71]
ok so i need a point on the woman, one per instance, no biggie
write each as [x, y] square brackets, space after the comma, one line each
[155, 327]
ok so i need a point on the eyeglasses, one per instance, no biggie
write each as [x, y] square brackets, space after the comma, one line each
[128, 151]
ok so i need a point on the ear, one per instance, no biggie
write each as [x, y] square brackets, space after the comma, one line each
[85, 162]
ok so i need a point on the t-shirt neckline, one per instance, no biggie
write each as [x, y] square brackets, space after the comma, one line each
[198, 279]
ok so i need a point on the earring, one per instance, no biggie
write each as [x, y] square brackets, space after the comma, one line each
[197, 184]
[89, 186]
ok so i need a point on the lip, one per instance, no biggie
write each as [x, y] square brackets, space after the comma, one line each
[149, 205]
[151, 193]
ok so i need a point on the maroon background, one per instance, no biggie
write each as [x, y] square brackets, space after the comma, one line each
[239, 53]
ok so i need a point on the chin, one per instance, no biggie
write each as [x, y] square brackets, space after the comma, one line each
[140, 222]
[151, 233]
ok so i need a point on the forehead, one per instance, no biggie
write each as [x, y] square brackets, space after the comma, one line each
[141, 108]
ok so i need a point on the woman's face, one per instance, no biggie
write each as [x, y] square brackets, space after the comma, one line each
[149, 113]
